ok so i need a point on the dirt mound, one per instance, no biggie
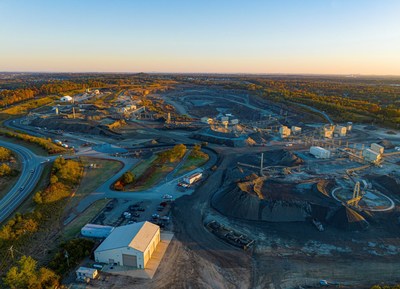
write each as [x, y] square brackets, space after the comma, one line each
[389, 183]
[348, 219]
[281, 158]
[272, 158]
[260, 137]
[237, 203]
[74, 126]
[387, 144]
[266, 200]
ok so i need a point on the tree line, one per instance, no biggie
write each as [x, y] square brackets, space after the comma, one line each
[9, 97]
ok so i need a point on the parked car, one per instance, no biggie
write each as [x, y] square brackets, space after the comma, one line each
[166, 196]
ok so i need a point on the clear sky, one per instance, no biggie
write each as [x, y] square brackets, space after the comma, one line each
[266, 36]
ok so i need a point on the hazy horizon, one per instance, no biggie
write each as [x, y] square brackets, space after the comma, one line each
[225, 37]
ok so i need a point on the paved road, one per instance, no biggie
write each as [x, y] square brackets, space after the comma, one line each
[31, 171]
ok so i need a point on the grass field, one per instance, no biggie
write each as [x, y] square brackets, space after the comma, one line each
[73, 228]
[193, 162]
[148, 173]
[93, 177]
[24, 108]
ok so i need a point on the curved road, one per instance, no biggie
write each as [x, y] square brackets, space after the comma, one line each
[30, 175]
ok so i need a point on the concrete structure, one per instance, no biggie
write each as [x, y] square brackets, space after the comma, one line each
[207, 120]
[320, 153]
[192, 178]
[296, 129]
[284, 131]
[234, 121]
[66, 98]
[96, 231]
[371, 156]
[127, 108]
[340, 130]
[130, 245]
[377, 148]
[84, 273]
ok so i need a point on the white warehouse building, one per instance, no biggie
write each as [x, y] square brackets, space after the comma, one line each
[66, 98]
[130, 245]
[320, 153]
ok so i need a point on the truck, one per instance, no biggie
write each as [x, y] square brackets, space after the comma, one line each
[192, 178]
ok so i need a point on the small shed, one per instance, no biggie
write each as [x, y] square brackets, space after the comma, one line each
[84, 272]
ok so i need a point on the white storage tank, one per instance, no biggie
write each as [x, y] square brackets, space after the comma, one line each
[320, 153]
[377, 148]
[96, 231]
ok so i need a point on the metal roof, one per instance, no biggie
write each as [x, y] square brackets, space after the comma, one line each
[137, 236]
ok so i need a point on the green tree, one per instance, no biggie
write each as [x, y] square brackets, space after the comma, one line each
[26, 276]
[128, 177]
[5, 170]
[5, 154]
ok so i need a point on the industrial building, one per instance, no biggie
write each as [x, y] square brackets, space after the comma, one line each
[340, 130]
[96, 231]
[328, 131]
[349, 126]
[371, 156]
[284, 131]
[296, 129]
[377, 148]
[130, 245]
[320, 153]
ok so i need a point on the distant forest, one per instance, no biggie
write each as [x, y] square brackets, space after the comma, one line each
[358, 99]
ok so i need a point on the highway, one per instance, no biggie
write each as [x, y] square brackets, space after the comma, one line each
[30, 174]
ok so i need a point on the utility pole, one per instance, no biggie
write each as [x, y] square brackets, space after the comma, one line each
[262, 163]
[66, 256]
[12, 252]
